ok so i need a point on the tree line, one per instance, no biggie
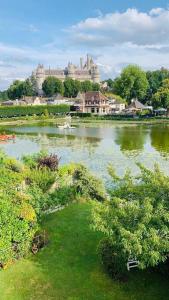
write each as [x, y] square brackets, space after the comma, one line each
[51, 87]
[151, 87]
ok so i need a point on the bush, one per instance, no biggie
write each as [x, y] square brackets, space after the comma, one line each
[62, 196]
[18, 111]
[43, 178]
[50, 162]
[87, 185]
[113, 264]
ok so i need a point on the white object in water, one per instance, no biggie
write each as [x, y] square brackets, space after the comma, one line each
[66, 126]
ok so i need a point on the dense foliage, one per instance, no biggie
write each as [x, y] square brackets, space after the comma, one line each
[52, 86]
[30, 188]
[155, 80]
[161, 97]
[132, 83]
[18, 111]
[135, 221]
[18, 88]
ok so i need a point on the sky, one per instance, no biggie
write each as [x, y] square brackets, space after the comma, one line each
[53, 32]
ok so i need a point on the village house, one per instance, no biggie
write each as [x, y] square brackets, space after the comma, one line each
[59, 99]
[116, 106]
[34, 100]
[95, 103]
[137, 106]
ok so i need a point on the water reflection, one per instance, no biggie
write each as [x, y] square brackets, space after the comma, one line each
[160, 138]
[131, 138]
[122, 146]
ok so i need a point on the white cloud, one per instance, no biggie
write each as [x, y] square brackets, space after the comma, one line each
[130, 26]
[114, 40]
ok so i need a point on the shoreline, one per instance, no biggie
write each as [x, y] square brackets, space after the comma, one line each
[86, 121]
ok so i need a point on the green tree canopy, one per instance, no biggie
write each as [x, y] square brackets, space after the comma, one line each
[96, 87]
[136, 218]
[161, 97]
[155, 79]
[71, 87]
[87, 86]
[132, 83]
[52, 86]
[3, 95]
[18, 89]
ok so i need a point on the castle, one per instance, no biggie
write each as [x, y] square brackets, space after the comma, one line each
[87, 71]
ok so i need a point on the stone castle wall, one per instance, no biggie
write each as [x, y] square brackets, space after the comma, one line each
[87, 71]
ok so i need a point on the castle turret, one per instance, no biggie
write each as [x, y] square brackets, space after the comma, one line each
[71, 71]
[81, 63]
[95, 74]
[40, 77]
[88, 62]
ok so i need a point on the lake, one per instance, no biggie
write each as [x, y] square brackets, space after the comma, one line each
[96, 146]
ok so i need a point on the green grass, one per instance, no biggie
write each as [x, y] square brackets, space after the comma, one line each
[69, 267]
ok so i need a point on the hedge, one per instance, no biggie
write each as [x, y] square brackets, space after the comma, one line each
[18, 111]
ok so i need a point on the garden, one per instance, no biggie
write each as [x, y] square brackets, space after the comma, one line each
[91, 242]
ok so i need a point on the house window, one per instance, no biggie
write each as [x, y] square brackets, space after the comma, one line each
[92, 110]
[97, 110]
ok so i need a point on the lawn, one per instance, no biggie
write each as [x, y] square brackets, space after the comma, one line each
[69, 267]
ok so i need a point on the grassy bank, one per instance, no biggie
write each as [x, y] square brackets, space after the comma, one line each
[69, 267]
[87, 122]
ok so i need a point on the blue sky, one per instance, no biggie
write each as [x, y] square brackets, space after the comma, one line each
[53, 32]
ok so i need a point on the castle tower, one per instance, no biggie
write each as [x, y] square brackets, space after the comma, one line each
[95, 74]
[71, 71]
[81, 63]
[40, 77]
[88, 62]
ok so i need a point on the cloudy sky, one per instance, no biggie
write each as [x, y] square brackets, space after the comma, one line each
[53, 32]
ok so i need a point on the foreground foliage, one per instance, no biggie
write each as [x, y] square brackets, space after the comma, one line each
[135, 221]
[28, 189]
[69, 267]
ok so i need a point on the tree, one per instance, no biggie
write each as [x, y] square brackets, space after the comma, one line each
[52, 86]
[155, 79]
[16, 90]
[3, 95]
[96, 87]
[135, 219]
[161, 97]
[28, 89]
[132, 83]
[71, 87]
[86, 86]
[110, 83]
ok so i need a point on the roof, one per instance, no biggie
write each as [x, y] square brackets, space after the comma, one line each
[95, 95]
[136, 104]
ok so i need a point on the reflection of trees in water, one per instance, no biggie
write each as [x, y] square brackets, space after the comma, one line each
[59, 141]
[131, 138]
[160, 138]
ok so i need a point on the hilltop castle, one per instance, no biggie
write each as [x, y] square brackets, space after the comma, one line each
[87, 71]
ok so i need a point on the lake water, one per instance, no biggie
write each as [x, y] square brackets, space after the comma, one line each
[97, 147]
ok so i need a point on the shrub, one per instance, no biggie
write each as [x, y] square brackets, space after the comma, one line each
[62, 196]
[113, 264]
[18, 111]
[43, 178]
[135, 218]
[50, 162]
[87, 185]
